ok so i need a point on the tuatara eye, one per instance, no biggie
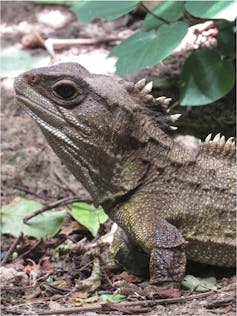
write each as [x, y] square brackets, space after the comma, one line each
[65, 90]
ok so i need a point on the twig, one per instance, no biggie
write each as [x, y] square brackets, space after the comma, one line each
[55, 43]
[52, 205]
[26, 190]
[153, 14]
[39, 37]
[145, 302]
[11, 249]
[220, 302]
[30, 250]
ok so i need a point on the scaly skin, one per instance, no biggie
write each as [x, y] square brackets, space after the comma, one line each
[172, 203]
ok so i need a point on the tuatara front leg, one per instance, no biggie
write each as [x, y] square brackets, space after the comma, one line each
[159, 239]
[129, 254]
[167, 254]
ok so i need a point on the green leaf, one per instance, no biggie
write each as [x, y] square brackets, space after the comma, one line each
[113, 298]
[14, 61]
[169, 10]
[89, 216]
[89, 10]
[44, 225]
[213, 9]
[205, 78]
[145, 49]
[226, 38]
[199, 284]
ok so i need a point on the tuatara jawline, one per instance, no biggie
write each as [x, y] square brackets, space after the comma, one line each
[170, 201]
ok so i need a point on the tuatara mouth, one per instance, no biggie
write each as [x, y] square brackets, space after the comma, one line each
[32, 107]
[49, 119]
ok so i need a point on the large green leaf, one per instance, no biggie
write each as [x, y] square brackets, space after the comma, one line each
[169, 10]
[145, 49]
[205, 78]
[89, 10]
[44, 225]
[213, 9]
[227, 38]
[89, 216]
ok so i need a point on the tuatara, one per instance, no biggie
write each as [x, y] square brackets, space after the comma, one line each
[171, 202]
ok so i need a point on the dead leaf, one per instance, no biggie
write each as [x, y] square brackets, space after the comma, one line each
[46, 265]
[127, 277]
[228, 309]
[31, 267]
[79, 294]
[87, 301]
[70, 228]
[169, 293]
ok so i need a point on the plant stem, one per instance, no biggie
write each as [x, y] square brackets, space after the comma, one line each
[153, 14]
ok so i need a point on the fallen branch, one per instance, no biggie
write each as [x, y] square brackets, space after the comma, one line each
[105, 306]
[26, 190]
[54, 43]
[37, 39]
[221, 302]
[53, 205]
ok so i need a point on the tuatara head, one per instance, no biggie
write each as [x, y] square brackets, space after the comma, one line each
[97, 125]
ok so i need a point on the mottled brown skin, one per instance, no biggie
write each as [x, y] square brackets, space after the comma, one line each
[172, 202]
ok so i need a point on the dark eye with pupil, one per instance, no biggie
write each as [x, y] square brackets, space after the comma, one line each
[65, 91]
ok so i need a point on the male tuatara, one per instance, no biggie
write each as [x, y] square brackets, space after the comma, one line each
[172, 202]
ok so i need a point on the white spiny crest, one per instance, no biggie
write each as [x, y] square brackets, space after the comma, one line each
[163, 101]
[208, 138]
[141, 89]
[148, 98]
[220, 140]
[175, 117]
[148, 87]
[217, 138]
[167, 101]
[140, 84]
[230, 141]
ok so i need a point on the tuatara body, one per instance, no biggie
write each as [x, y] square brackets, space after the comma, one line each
[172, 202]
